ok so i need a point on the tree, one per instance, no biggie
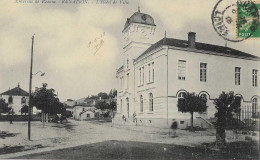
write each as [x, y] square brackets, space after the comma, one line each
[24, 109]
[45, 99]
[103, 95]
[192, 103]
[3, 106]
[227, 105]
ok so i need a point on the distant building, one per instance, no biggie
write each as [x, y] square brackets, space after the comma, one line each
[155, 74]
[16, 98]
[79, 109]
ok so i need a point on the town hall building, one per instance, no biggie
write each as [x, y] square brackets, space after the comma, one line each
[155, 74]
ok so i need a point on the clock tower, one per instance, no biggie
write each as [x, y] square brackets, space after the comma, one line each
[139, 28]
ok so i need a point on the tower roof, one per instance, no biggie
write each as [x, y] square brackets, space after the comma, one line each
[140, 18]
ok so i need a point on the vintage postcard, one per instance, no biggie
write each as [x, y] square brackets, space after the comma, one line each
[129, 79]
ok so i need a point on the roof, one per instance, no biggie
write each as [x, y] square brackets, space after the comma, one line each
[219, 50]
[140, 18]
[17, 91]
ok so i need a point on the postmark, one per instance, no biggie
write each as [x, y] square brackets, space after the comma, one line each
[230, 16]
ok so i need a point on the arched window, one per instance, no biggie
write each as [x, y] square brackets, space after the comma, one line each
[141, 103]
[254, 107]
[150, 102]
[181, 95]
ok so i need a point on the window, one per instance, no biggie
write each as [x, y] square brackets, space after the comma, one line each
[203, 96]
[181, 69]
[141, 103]
[150, 102]
[88, 115]
[127, 62]
[140, 71]
[127, 106]
[121, 83]
[127, 85]
[203, 72]
[121, 105]
[10, 100]
[23, 100]
[149, 73]
[153, 71]
[143, 74]
[254, 107]
[180, 96]
[254, 78]
[237, 75]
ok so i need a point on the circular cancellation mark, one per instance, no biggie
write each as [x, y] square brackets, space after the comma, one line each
[231, 18]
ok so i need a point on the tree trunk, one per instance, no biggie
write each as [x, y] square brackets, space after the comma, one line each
[220, 137]
[191, 121]
[43, 119]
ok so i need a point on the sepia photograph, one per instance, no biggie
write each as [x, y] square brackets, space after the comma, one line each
[129, 79]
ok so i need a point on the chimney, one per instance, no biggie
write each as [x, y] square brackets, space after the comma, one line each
[192, 39]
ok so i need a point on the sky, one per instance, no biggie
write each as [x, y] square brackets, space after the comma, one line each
[65, 34]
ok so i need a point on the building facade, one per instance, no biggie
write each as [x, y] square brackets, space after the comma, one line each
[16, 98]
[155, 75]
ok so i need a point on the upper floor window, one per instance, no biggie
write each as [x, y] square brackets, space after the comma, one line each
[237, 75]
[127, 62]
[203, 72]
[141, 103]
[127, 83]
[151, 72]
[140, 77]
[150, 102]
[254, 76]
[10, 100]
[143, 75]
[181, 69]
[23, 100]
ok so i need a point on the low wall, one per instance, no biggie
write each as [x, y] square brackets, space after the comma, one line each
[19, 118]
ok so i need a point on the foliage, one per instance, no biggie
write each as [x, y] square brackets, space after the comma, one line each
[227, 105]
[3, 106]
[112, 93]
[47, 101]
[192, 103]
[103, 104]
[24, 109]
[103, 95]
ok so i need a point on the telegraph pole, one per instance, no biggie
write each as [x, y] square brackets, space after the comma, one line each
[30, 92]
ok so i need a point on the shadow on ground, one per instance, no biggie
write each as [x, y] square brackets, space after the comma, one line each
[14, 149]
[143, 150]
[4, 134]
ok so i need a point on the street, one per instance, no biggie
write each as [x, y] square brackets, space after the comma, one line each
[103, 140]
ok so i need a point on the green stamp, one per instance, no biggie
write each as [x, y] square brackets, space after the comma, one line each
[248, 19]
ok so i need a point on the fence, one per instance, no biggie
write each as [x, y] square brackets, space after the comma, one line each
[247, 119]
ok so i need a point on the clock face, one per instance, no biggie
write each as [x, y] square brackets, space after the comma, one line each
[144, 17]
[143, 32]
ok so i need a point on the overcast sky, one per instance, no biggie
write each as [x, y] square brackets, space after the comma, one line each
[63, 32]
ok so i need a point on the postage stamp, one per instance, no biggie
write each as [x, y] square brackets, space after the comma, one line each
[248, 19]
[236, 20]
